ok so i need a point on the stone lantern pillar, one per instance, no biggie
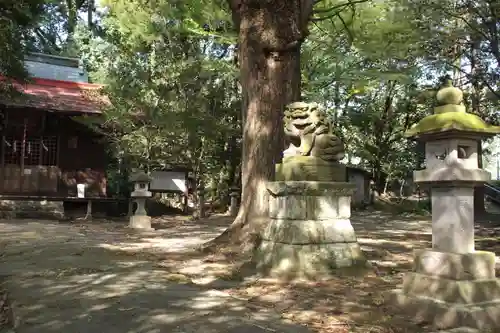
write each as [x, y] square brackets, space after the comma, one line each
[140, 219]
[452, 284]
[309, 233]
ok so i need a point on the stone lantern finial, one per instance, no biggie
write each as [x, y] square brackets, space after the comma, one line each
[449, 99]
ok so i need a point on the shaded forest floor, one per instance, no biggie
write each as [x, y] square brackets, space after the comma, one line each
[111, 270]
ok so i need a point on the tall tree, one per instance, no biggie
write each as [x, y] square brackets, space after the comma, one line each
[270, 36]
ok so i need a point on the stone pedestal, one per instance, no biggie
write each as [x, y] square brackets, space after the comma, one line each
[140, 219]
[452, 285]
[142, 222]
[309, 233]
[453, 219]
[310, 168]
[451, 290]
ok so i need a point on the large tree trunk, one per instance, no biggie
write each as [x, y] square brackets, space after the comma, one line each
[479, 207]
[270, 35]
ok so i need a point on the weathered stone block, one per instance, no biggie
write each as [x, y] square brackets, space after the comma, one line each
[310, 200]
[289, 261]
[344, 205]
[459, 330]
[451, 174]
[32, 209]
[322, 207]
[442, 315]
[288, 207]
[142, 222]
[310, 188]
[309, 231]
[453, 219]
[454, 266]
[451, 291]
[310, 168]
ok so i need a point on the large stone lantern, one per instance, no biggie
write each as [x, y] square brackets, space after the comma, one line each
[452, 284]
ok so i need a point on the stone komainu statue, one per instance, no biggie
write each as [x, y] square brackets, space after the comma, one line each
[308, 132]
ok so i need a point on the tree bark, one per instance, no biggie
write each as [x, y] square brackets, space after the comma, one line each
[270, 35]
[90, 13]
[479, 206]
[72, 17]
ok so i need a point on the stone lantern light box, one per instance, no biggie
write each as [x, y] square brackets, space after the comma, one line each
[141, 184]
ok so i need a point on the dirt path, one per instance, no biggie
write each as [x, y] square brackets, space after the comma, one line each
[103, 278]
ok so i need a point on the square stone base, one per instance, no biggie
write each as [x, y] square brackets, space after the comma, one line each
[460, 330]
[307, 261]
[441, 315]
[450, 290]
[141, 222]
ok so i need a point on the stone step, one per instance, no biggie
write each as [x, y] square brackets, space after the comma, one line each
[484, 316]
[460, 330]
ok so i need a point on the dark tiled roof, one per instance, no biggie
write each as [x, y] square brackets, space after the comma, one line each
[54, 95]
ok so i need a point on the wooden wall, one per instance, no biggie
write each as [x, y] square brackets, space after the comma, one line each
[80, 156]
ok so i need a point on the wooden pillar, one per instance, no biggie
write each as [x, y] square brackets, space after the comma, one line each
[234, 194]
[88, 215]
[201, 201]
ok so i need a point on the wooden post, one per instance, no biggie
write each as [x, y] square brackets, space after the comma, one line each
[3, 152]
[59, 171]
[201, 201]
[23, 151]
[88, 215]
[2, 163]
[234, 194]
[186, 193]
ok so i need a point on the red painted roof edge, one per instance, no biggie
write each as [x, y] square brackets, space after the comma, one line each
[62, 84]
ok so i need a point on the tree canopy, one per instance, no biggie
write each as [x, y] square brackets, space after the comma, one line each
[171, 70]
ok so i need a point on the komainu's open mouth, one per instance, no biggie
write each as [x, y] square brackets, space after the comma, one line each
[300, 126]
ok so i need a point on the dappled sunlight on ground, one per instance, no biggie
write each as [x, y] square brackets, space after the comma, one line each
[84, 277]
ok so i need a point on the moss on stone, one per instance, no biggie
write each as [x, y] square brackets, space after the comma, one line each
[447, 121]
[309, 168]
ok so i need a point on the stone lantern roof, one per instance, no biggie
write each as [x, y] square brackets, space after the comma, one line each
[140, 177]
[450, 118]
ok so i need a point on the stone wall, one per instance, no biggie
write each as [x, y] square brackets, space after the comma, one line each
[31, 209]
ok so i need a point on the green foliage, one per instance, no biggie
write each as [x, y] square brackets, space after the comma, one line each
[366, 69]
[375, 67]
[16, 18]
[172, 88]
[174, 92]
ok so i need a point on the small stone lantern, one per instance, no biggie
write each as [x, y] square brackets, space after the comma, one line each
[234, 193]
[452, 284]
[140, 219]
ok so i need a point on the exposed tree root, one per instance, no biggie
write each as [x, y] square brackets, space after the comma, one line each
[241, 235]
